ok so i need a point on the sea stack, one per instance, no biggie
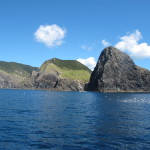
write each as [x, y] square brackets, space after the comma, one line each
[116, 72]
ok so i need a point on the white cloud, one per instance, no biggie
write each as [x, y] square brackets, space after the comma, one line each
[130, 43]
[91, 46]
[105, 43]
[86, 47]
[89, 62]
[50, 35]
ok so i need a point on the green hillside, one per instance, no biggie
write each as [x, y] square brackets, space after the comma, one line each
[68, 64]
[16, 68]
[70, 69]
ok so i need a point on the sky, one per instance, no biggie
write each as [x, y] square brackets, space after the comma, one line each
[33, 31]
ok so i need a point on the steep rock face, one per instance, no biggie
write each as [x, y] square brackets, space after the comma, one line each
[40, 80]
[7, 81]
[116, 71]
[56, 74]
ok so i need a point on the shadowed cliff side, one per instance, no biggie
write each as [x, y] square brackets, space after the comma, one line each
[115, 71]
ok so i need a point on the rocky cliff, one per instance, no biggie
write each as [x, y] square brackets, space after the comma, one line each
[116, 72]
[56, 74]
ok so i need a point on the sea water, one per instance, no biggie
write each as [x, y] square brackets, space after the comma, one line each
[43, 120]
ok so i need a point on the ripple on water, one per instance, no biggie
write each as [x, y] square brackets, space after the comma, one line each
[35, 120]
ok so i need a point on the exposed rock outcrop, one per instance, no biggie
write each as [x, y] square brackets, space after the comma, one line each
[56, 74]
[49, 81]
[7, 81]
[115, 72]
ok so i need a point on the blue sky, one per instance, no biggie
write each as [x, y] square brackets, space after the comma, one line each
[32, 31]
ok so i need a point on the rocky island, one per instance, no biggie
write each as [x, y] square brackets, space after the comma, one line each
[116, 72]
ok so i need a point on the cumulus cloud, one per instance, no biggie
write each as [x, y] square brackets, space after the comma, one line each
[105, 43]
[89, 62]
[130, 43]
[50, 35]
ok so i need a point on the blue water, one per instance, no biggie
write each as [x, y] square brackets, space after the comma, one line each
[43, 120]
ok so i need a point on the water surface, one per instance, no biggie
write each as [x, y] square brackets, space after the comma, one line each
[43, 120]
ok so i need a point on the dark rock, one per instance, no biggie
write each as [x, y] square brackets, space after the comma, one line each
[52, 81]
[116, 71]
[69, 85]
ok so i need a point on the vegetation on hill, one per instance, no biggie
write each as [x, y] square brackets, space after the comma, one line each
[16, 68]
[70, 69]
[68, 64]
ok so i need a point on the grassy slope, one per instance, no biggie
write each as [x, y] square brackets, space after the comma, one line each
[71, 69]
[16, 68]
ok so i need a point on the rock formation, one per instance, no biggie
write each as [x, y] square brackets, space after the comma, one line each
[50, 81]
[116, 72]
[56, 74]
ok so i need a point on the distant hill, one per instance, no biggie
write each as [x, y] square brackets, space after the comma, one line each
[70, 69]
[13, 74]
[16, 68]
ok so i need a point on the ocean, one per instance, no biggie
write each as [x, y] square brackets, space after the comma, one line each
[58, 120]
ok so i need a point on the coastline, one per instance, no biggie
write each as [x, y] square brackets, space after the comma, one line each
[39, 89]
